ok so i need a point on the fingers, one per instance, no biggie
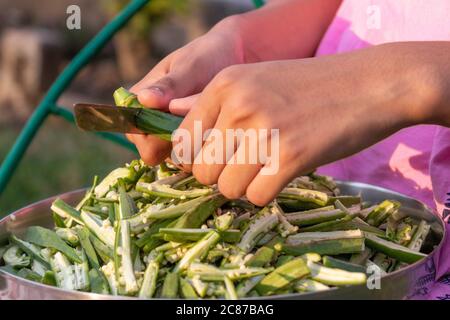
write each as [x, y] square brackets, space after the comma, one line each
[182, 106]
[238, 173]
[151, 149]
[200, 118]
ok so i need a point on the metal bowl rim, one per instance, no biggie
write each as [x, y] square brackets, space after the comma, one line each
[98, 296]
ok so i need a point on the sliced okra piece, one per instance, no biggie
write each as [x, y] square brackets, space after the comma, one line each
[65, 211]
[309, 285]
[30, 249]
[87, 199]
[331, 262]
[334, 243]
[187, 290]
[209, 272]
[325, 226]
[148, 286]
[49, 239]
[199, 249]
[381, 212]
[185, 235]
[157, 189]
[284, 227]
[68, 235]
[419, 236]
[111, 180]
[262, 257]
[392, 249]
[231, 293]
[262, 222]
[99, 283]
[196, 216]
[335, 277]
[315, 216]
[15, 257]
[282, 276]
[306, 195]
[244, 287]
[103, 231]
[362, 257]
[170, 286]
[122, 258]
[83, 235]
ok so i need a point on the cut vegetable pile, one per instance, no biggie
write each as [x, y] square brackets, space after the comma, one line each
[155, 232]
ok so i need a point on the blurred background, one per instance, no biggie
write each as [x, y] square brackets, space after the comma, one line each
[35, 45]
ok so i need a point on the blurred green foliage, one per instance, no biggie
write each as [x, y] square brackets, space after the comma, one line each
[153, 13]
[60, 159]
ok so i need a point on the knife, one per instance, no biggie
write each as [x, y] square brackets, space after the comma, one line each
[107, 118]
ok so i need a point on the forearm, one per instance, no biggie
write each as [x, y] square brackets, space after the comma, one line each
[282, 29]
[425, 68]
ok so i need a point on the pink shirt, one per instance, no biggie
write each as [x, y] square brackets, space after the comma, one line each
[415, 161]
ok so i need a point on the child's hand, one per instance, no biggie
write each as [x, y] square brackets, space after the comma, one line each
[181, 74]
[325, 108]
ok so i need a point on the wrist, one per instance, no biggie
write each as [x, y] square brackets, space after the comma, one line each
[230, 31]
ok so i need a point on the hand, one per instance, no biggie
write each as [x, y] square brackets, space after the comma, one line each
[182, 74]
[325, 108]
[257, 35]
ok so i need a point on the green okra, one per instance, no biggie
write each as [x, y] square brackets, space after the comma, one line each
[305, 195]
[199, 249]
[187, 290]
[336, 242]
[148, 286]
[104, 232]
[335, 277]
[262, 257]
[347, 201]
[419, 236]
[30, 249]
[154, 228]
[362, 257]
[262, 222]
[161, 190]
[170, 286]
[231, 293]
[185, 235]
[329, 225]
[309, 285]
[244, 287]
[392, 249]
[331, 262]
[49, 278]
[381, 212]
[166, 213]
[209, 272]
[150, 121]
[314, 216]
[15, 257]
[83, 235]
[98, 282]
[282, 276]
[196, 216]
[47, 238]
[65, 211]
[105, 252]
[68, 235]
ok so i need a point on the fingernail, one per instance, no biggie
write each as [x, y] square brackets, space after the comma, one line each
[157, 91]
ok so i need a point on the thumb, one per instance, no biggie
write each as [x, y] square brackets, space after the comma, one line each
[171, 86]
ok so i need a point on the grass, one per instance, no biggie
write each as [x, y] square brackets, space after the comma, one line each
[61, 158]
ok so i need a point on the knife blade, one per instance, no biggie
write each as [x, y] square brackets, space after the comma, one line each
[106, 118]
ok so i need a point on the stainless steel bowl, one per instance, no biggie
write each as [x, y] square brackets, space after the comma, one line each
[412, 281]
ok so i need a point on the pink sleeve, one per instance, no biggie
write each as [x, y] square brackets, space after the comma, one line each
[440, 166]
[440, 178]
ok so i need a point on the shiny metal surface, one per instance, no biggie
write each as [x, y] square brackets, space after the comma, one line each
[405, 283]
[105, 118]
